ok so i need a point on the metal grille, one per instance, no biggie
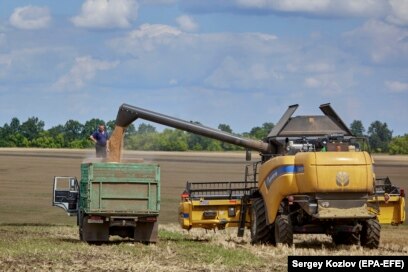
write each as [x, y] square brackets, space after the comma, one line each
[220, 190]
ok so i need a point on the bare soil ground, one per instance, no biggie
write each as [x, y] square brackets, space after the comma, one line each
[34, 235]
[26, 177]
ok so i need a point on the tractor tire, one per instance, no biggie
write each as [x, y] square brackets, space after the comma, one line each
[260, 231]
[370, 236]
[346, 238]
[283, 230]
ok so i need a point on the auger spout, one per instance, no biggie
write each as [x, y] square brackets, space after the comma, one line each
[127, 114]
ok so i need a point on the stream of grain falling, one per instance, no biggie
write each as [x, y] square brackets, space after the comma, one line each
[115, 144]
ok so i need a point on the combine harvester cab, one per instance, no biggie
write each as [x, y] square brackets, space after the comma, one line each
[120, 199]
[314, 177]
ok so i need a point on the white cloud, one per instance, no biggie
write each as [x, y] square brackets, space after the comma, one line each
[164, 52]
[30, 17]
[396, 86]
[173, 81]
[106, 14]
[289, 6]
[319, 67]
[394, 11]
[236, 73]
[187, 23]
[342, 8]
[325, 84]
[83, 70]
[381, 42]
[399, 14]
[154, 31]
[312, 82]
[157, 2]
[147, 38]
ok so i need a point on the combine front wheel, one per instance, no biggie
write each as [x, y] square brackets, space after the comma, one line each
[260, 231]
[283, 230]
[370, 236]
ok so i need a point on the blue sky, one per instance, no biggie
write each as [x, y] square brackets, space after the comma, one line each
[239, 62]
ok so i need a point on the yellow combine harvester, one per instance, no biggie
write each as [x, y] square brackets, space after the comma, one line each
[313, 177]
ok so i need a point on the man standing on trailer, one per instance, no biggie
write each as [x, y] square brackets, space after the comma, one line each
[101, 139]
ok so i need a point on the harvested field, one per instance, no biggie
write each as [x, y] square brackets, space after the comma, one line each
[34, 235]
[57, 248]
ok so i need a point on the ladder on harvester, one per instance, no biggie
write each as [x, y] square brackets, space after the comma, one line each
[250, 179]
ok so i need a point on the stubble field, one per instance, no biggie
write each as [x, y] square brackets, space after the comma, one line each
[34, 235]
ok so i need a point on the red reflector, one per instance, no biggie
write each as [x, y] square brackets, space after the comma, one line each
[233, 201]
[402, 192]
[290, 200]
[151, 219]
[185, 194]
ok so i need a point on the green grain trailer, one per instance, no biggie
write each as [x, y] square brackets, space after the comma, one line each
[112, 199]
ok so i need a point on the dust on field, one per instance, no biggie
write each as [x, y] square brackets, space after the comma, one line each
[57, 248]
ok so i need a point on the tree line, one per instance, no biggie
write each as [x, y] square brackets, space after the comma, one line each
[380, 137]
[74, 134]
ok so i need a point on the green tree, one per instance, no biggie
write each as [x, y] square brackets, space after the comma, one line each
[226, 146]
[17, 140]
[197, 142]
[73, 131]
[44, 140]
[261, 132]
[57, 133]
[379, 136]
[173, 140]
[399, 145]
[90, 127]
[145, 129]
[32, 128]
[131, 130]
[56, 130]
[14, 125]
[225, 128]
[357, 128]
[110, 125]
[10, 135]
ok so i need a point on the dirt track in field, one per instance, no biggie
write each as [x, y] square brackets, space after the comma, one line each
[26, 177]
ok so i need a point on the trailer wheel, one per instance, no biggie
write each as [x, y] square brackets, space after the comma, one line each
[283, 230]
[346, 238]
[370, 236]
[260, 231]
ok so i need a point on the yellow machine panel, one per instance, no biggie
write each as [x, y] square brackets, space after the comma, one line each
[314, 172]
[390, 211]
[210, 214]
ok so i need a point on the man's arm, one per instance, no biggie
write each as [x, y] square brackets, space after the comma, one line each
[92, 138]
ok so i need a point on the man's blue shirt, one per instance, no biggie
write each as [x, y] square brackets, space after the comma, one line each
[101, 137]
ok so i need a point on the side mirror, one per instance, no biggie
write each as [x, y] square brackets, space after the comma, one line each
[73, 184]
[248, 156]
